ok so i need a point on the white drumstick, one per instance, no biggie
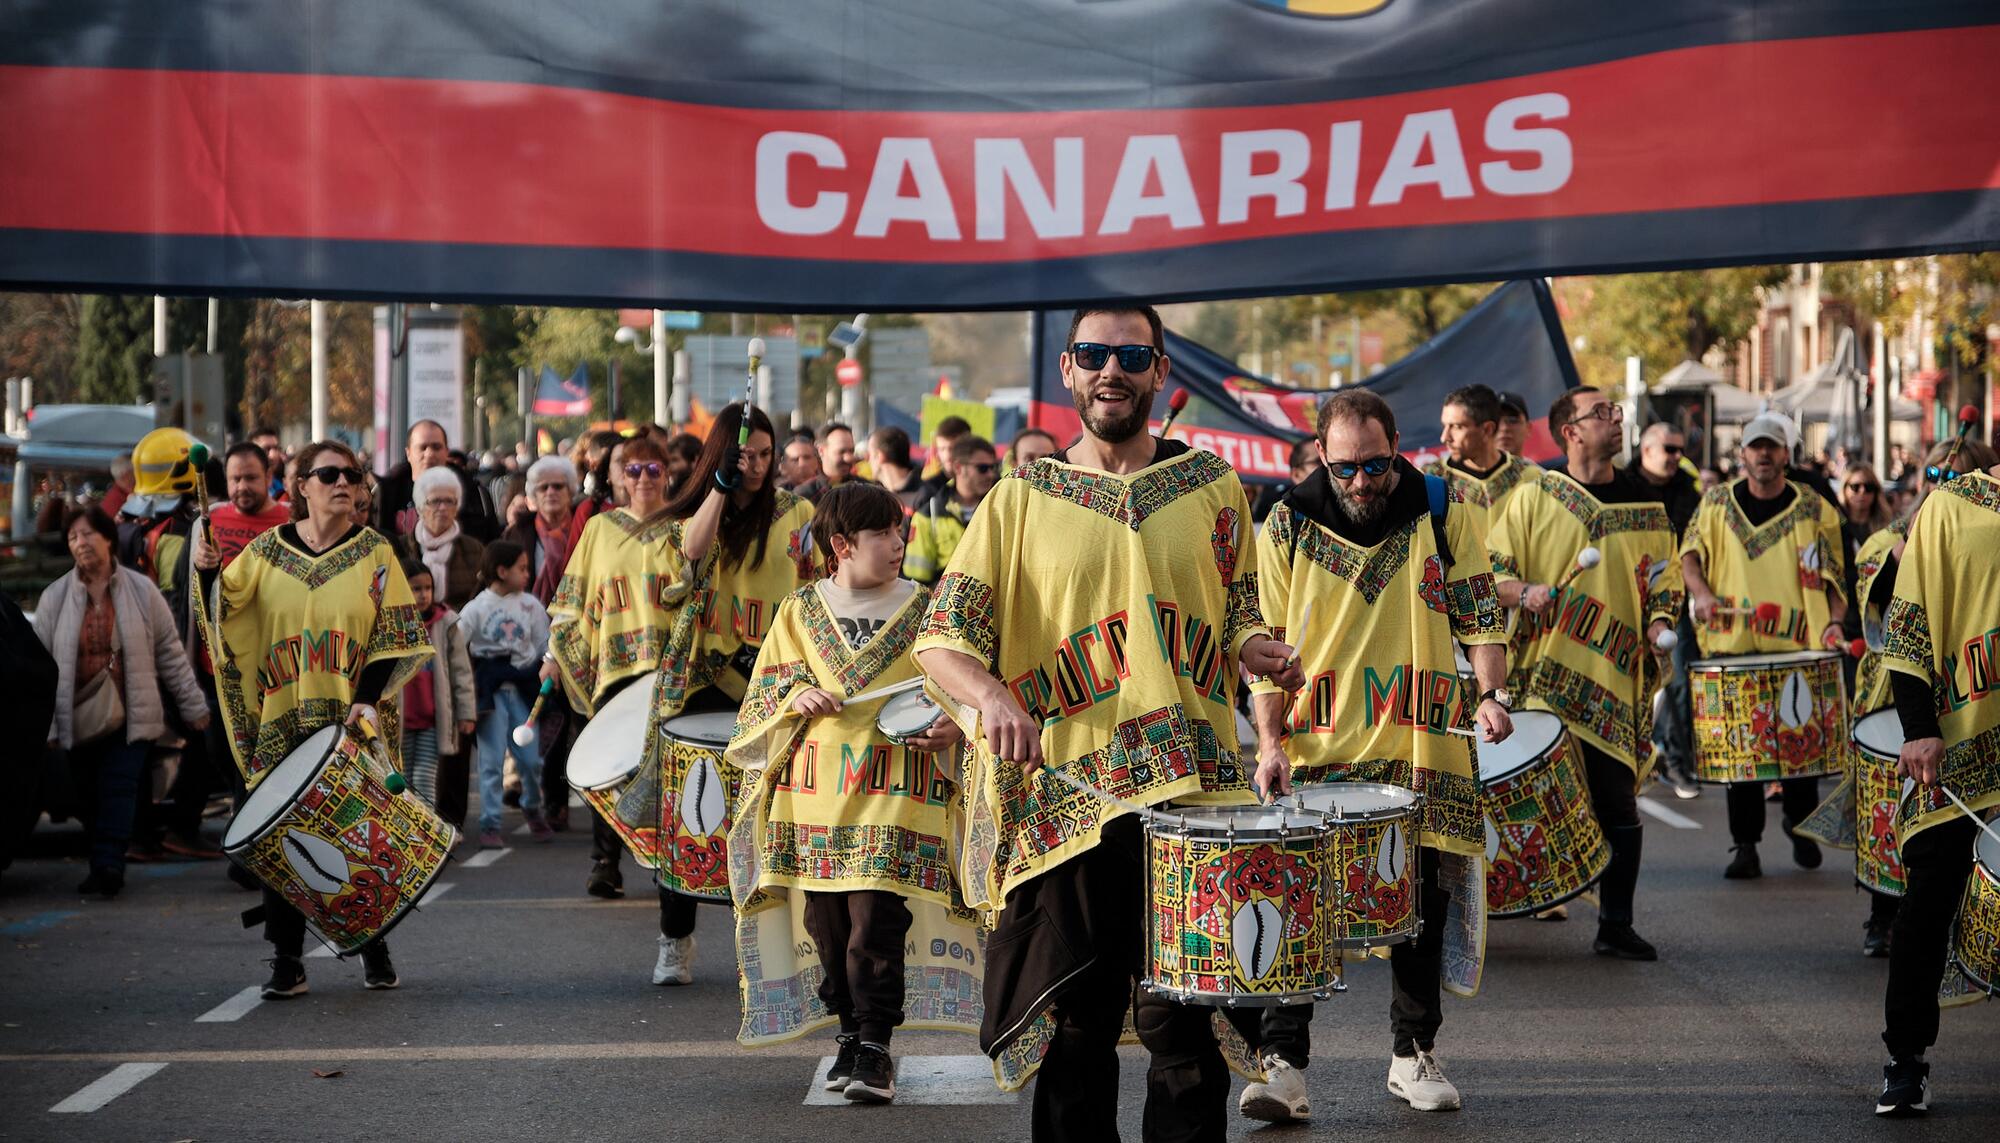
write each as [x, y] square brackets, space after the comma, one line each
[878, 692]
[1667, 640]
[1586, 559]
[1462, 731]
[1976, 819]
[1299, 636]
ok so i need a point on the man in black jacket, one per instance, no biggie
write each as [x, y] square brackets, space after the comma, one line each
[426, 448]
[27, 699]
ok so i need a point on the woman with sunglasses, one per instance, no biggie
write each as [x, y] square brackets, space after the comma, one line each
[325, 572]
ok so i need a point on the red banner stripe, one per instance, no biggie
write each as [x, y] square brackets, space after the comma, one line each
[337, 157]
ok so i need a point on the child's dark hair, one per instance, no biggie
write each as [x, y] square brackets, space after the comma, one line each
[849, 510]
[499, 554]
[414, 568]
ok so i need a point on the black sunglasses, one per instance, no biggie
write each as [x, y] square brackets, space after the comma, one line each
[1672, 450]
[1938, 474]
[984, 469]
[652, 468]
[1093, 355]
[1373, 466]
[332, 474]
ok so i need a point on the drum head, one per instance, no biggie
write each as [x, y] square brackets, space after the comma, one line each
[281, 787]
[610, 746]
[1765, 661]
[1536, 732]
[1986, 851]
[907, 714]
[1357, 799]
[1880, 734]
[710, 728]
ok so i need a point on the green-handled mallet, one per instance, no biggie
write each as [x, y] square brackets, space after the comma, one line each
[750, 392]
[525, 733]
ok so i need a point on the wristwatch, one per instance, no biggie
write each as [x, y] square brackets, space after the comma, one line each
[1499, 695]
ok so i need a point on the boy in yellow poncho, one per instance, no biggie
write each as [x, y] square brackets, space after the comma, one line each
[1770, 546]
[1095, 616]
[843, 834]
[1591, 646]
[1941, 644]
[1371, 569]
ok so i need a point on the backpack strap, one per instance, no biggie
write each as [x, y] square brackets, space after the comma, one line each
[1439, 494]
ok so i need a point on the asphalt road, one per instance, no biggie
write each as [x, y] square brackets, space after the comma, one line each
[526, 1012]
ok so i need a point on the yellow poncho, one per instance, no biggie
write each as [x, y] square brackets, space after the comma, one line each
[734, 604]
[612, 615]
[1381, 688]
[1588, 659]
[1943, 628]
[1114, 609]
[1871, 685]
[1484, 496]
[829, 805]
[291, 633]
[1788, 561]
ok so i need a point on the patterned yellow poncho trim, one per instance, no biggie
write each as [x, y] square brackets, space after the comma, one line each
[1587, 657]
[1381, 688]
[290, 633]
[800, 826]
[1943, 627]
[1871, 683]
[733, 604]
[1114, 609]
[1485, 496]
[1789, 560]
[612, 615]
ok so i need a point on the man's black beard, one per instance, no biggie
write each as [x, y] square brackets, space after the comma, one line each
[1112, 431]
[1361, 513]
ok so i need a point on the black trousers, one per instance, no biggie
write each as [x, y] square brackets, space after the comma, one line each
[1614, 799]
[1416, 995]
[555, 763]
[606, 847]
[1938, 862]
[203, 760]
[1076, 1090]
[1746, 807]
[860, 937]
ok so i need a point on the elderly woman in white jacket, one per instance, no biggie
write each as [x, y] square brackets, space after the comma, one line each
[117, 649]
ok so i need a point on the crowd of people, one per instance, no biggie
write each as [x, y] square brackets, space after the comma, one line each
[786, 581]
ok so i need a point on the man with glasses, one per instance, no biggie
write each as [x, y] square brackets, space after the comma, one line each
[1125, 561]
[1589, 646]
[1661, 449]
[940, 523]
[1765, 543]
[1373, 569]
[426, 448]
[1478, 468]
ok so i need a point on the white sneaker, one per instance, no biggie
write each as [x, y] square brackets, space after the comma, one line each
[1281, 1098]
[676, 963]
[1419, 1081]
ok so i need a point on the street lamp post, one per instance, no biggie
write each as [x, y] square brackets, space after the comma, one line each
[663, 411]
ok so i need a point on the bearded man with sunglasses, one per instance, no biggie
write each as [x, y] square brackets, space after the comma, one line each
[1093, 619]
[1588, 640]
[325, 576]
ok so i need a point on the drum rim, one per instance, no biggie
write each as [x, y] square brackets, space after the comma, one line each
[1515, 914]
[1854, 734]
[667, 729]
[1766, 659]
[312, 773]
[1409, 810]
[1245, 999]
[896, 703]
[1521, 767]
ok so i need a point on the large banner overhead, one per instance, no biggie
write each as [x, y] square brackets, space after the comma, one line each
[920, 155]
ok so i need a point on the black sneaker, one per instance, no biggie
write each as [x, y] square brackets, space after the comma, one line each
[1804, 852]
[1744, 866]
[874, 1079]
[1905, 1089]
[843, 1061]
[1875, 940]
[605, 881]
[377, 970]
[1620, 941]
[103, 882]
[288, 978]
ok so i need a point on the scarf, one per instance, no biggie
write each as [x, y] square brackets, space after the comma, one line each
[554, 558]
[436, 551]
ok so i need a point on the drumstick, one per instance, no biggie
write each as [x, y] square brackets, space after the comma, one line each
[1667, 641]
[756, 355]
[525, 733]
[1298, 636]
[1969, 812]
[1586, 559]
[878, 692]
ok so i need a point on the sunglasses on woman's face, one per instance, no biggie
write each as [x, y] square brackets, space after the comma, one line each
[652, 468]
[1857, 486]
[334, 473]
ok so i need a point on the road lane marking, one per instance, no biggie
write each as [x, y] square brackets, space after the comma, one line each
[1658, 812]
[234, 1008]
[436, 892]
[939, 1080]
[108, 1087]
[29, 926]
[485, 857]
[524, 830]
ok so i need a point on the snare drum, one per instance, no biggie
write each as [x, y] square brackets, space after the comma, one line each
[607, 767]
[1878, 859]
[906, 716]
[324, 832]
[1761, 717]
[1975, 940]
[1373, 826]
[1543, 843]
[697, 794]
[1239, 906]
